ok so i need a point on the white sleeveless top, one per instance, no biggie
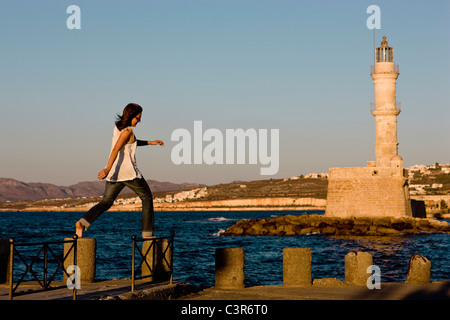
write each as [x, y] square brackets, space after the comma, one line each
[124, 167]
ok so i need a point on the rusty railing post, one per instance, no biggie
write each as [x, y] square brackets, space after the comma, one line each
[133, 238]
[11, 266]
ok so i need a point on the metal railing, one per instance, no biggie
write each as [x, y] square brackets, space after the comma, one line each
[44, 282]
[161, 259]
[396, 68]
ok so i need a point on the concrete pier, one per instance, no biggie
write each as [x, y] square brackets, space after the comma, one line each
[229, 282]
[86, 255]
[117, 289]
[438, 290]
[356, 264]
[297, 267]
[229, 273]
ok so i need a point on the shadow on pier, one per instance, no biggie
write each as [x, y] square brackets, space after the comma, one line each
[389, 291]
[117, 289]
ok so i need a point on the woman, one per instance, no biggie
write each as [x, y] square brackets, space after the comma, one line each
[121, 171]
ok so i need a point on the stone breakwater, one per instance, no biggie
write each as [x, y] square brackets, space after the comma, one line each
[288, 225]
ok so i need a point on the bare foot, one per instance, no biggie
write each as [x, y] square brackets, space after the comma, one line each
[79, 229]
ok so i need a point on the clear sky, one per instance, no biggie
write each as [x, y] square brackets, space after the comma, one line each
[302, 67]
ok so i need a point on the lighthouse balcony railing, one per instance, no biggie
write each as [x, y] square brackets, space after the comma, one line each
[396, 69]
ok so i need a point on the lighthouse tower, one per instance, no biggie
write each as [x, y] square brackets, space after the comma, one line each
[380, 189]
[384, 74]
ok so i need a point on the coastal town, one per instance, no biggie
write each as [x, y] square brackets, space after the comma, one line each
[428, 183]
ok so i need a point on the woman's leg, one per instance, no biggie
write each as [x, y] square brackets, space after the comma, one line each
[112, 190]
[141, 188]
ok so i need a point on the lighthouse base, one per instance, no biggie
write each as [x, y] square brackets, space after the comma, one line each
[368, 192]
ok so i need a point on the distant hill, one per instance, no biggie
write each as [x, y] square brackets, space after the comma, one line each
[14, 190]
[432, 180]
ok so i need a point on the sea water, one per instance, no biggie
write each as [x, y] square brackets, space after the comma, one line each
[197, 235]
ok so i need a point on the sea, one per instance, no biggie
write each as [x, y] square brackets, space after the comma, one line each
[197, 235]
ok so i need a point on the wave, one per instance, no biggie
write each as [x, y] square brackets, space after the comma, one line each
[220, 219]
[218, 233]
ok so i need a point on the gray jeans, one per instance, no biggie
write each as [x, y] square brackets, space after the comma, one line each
[112, 190]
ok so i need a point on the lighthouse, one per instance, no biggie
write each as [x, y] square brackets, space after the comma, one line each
[384, 75]
[381, 188]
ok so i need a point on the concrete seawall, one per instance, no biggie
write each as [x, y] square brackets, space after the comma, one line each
[431, 203]
[276, 203]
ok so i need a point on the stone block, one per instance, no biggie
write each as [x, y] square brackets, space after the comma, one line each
[356, 264]
[307, 230]
[229, 272]
[386, 230]
[419, 270]
[367, 192]
[86, 255]
[297, 267]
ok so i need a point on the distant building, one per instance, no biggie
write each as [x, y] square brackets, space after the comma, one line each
[316, 175]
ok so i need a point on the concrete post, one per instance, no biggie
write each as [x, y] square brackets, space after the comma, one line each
[297, 267]
[230, 264]
[86, 253]
[159, 264]
[5, 250]
[419, 270]
[356, 264]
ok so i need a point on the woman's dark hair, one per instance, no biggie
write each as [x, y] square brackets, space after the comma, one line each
[129, 112]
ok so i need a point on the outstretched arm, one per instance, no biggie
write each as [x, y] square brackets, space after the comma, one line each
[123, 138]
[152, 143]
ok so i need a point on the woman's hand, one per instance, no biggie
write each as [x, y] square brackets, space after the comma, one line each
[102, 174]
[159, 142]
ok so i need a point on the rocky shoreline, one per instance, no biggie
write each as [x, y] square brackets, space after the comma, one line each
[288, 225]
